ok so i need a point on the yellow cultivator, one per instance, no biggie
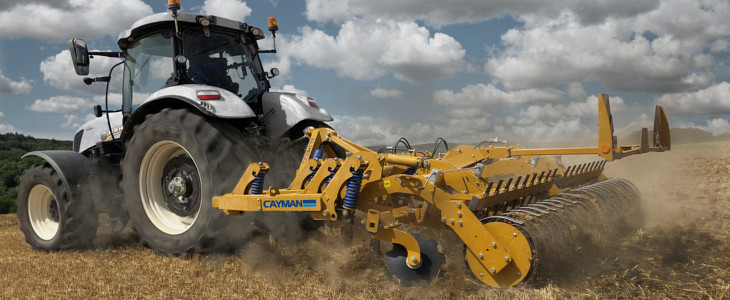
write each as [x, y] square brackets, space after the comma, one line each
[508, 205]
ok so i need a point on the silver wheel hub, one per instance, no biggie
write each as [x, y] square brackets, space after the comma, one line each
[177, 188]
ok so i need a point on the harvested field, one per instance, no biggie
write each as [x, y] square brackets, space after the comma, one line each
[682, 252]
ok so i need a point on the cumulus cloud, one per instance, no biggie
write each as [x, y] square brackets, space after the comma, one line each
[385, 93]
[61, 104]
[9, 86]
[231, 9]
[439, 13]
[368, 50]
[58, 71]
[589, 107]
[489, 96]
[576, 91]
[5, 128]
[663, 49]
[57, 21]
[540, 130]
[710, 101]
[368, 130]
[290, 88]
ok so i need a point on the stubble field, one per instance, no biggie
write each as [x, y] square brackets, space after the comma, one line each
[683, 251]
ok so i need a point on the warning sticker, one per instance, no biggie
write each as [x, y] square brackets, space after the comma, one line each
[386, 183]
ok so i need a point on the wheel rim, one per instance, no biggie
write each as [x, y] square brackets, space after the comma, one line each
[43, 212]
[155, 198]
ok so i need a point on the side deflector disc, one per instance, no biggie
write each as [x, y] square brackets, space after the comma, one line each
[431, 261]
[520, 257]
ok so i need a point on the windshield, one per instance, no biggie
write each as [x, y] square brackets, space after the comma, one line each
[223, 61]
[148, 67]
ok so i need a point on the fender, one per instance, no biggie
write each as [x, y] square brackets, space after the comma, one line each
[73, 168]
[282, 111]
[229, 106]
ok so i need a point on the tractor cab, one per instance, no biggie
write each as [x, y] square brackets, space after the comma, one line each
[171, 49]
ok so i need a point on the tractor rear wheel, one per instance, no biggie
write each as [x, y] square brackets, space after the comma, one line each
[49, 218]
[174, 164]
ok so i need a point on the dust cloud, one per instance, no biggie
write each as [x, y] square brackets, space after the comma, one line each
[686, 222]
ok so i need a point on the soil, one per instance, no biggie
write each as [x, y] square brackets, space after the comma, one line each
[681, 252]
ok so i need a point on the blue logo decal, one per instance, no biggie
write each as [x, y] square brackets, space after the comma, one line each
[289, 203]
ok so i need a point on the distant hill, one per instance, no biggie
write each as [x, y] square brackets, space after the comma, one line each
[12, 147]
[679, 136]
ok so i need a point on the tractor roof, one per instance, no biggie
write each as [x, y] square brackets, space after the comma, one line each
[166, 20]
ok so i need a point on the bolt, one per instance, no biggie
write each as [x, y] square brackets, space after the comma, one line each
[481, 274]
[519, 273]
[451, 221]
[432, 192]
[461, 224]
[458, 205]
[472, 156]
[494, 270]
[443, 220]
[466, 192]
[458, 150]
[458, 214]
[413, 259]
[514, 234]
[506, 258]
[481, 256]
[359, 157]
[324, 213]
[494, 244]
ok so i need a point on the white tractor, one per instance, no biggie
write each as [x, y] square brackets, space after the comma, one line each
[196, 111]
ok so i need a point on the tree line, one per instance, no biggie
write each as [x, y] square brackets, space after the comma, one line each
[12, 147]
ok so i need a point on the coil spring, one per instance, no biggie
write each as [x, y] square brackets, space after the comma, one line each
[332, 174]
[353, 189]
[410, 171]
[257, 185]
[318, 154]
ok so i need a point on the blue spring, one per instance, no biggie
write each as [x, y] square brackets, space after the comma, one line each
[353, 189]
[257, 185]
[410, 171]
[318, 154]
[332, 174]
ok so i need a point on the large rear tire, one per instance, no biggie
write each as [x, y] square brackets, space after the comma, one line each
[173, 166]
[49, 218]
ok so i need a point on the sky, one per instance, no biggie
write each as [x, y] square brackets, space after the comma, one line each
[466, 70]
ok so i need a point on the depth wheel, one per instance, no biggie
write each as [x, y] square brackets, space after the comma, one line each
[173, 166]
[49, 220]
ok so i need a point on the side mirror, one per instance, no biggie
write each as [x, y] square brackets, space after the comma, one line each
[273, 73]
[79, 56]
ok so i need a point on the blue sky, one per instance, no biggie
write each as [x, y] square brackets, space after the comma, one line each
[464, 70]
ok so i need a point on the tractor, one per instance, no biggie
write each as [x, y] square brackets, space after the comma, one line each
[196, 106]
